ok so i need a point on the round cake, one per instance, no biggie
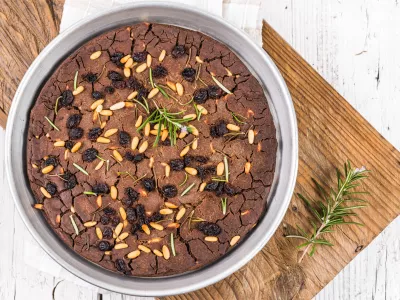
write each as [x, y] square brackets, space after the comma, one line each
[151, 150]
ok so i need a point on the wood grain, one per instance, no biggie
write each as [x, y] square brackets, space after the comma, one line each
[330, 132]
[26, 27]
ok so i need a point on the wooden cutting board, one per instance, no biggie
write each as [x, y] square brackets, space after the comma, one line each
[330, 132]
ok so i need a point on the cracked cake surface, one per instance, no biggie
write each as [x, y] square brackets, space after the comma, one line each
[151, 150]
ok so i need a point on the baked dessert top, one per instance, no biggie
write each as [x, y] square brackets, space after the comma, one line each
[151, 150]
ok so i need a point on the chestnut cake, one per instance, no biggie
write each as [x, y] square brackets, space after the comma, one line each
[151, 150]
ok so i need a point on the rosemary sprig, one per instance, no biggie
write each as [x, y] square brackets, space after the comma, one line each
[331, 210]
[224, 202]
[52, 124]
[145, 105]
[76, 80]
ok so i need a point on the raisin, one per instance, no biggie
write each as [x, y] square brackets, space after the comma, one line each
[51, 160]
[104, 219]
[90, 77]
[75, 133]
[115, 221]
[159, 72]
[69, 144]
[201, 159]
[104, 246]
[120, 265]
[120, 85]
[167, 142]
[107, 233]
[51, 188]
[73, 120]
[135, 228]
[178, 51]
[114, 76]
[230, 190]
[209, 229]
[149, 184]
[109, 90]
[109, 211]
[220, 189]
[211, 186]
[189, 74]
[96, 95]
[94, 133]
[218, 129]
[124, 138]
[133, 84]
[101, 188]
[200, 96]
[90, 154]
[215, 92]
[131, 214]
[127, 202]
[142, 93]
[177, 164]
[131, 193]
[188, 159]
[139, 56]
[140, 212]
[116, 59]
[69, 180]
[169, 191]
[201, 172]
[134, 158]
[156, 217]
[66, 98]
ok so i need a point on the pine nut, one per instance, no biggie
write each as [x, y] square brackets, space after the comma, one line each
[99, 233]
[76, 147]
[125, 59]
[167, 170]
[184, 151]
[228, 72]
[133, 254]
[250, 136]
[125, 223]
[132, 95]
[117, 155]
[95, 116]
[123, 236]
[107, 252]
[234, 240]
[110, 132]
[151, 162]
[47, 169]
[220, 168]
[118, 105]
[162, 56]
[202, 186]
[149, 60]
[191, 171]
[99, 108]
[157, 252]
[147, 129]
[199, 60]
[180, 213]
[113, 192]
[154, 240]
[106, 112]
[59, 144]
[173, 225]
[179, 88]
[156, 126]
[141, 68]
[202, 109]
[211, 239]
[170, 205]
[195, 144]
[103, 124]
[78, 90]
[193, 130]
[153, 93]
[96, 103]
[129, 104]
[99, 165]
[139, 121]
[34, 166]
[146, 229]
[73, 209]
[122, 212]
[58, 219]
[45, 192]
[95, 55]
[156, 226]
[90, 224]
[154, 132]
[38, 206]
[134, 143]
[127, 72]
[166, 253]
[166, 211]
[182, 134]
[118, 229]
[247, 167]
[120, 246]
[171, 85]
[164, 135]
[129, 62]
[233, 127]
[99, 201]
[103, 140]
[190, 117]
[143, 146]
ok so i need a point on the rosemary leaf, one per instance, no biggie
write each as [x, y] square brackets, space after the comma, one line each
[80, 169]
[90, 193]
[76, 80]
[56, 106]
[151, 77]
[52, 124]
[173, 245]
[221, 85]
[224, 202]
[188, 189]
[184, 181]
[74, 224]
[226, 169]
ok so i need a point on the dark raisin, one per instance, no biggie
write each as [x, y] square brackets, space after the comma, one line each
[109, 89]
[115, 221]
[120, 265]
[201, 159]
[97, 95]
[120, 85]
[127, 202]
[66, 98]
[159, 72]
[142, 93]
[169, 191]
[116, 59]
[104, 245]
[69, 144]
[220, 189]
[75, 133]
[135, 228]
[201, 172]
[200, 96]
[149, 184]
[109, 211]
[107, 233]
[101, 188]
[124, 138]
[134, 158]
[139, 56]
[218, 129]
[104, 219]
[114, 76]
[140, 212]
[73, 120]
[177, 164]
[133, 84]
[51, 160]
[209, 229]
[51, 188]
[94, 133]
[178, 51]
[211, 186]
[167, 142]
[69, 180]
[156, 217]
[189, 74]
[230, 190]
[131, 214]
[90, 154]
[90, 77]
[131, 193]
[215, 92]
[188, 159]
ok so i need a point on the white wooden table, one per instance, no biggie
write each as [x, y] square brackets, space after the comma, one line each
[355, 45]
